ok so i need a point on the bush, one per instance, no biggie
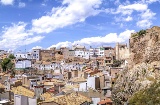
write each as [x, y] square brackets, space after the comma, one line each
[117, 63]
[148, 96]
[140, 33]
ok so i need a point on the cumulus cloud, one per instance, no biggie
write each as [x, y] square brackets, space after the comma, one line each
[21, 5]
[146, 19]
[129, 8]
[62, 44]
[141, 10]
[123, 18]
[99, 40]
[129, 18]
[71, 12]
[148, 14]
[37, 47]
[7, 2]
[16, 35]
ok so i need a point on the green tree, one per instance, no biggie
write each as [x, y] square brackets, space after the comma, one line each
[148, 96]
[117, 63]
[7, 64]
[11, 56]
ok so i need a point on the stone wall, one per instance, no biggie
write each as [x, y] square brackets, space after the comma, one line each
[122, 51]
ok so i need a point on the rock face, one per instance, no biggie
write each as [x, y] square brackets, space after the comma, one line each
[144, 54]
[133, 80]
[145, 48]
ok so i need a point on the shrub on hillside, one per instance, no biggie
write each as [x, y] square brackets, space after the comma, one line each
[148, 96]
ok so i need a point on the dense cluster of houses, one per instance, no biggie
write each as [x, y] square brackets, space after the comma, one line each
[76, 76]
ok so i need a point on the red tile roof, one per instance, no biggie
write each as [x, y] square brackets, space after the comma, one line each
[106, 101]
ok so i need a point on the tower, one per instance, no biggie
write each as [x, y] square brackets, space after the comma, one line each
[117, 51]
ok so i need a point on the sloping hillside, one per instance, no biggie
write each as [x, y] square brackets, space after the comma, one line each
[145, 56]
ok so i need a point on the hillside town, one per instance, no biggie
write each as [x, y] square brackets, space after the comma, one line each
[78, 75]
[59, 76]
[79, 52]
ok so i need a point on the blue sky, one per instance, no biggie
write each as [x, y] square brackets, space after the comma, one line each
[56, 23]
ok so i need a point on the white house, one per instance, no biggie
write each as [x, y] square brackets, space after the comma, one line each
[97, 51]
[22, 63]
[91, 83]
[35, 54]
[24, 96]
[20, 55]
[46, 66]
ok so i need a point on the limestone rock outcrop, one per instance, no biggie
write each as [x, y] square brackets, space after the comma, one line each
[145, 48]
[141, 72]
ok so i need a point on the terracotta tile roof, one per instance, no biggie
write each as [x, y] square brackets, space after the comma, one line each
[66, 89]
[25, 85]
[78, 79]
[69, 99]
[61, 100]
[46, 63]
[71, 86]
[48, 83]
[99, 74]
[56, 80]
[106, 101]
[46, 95]
[23, 91]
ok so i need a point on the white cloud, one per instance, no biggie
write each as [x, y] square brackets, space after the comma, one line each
[142, 12]
[21, 5]
[7, 2]
[37, 47]
[148, 14]
[129, 18]
[108, 39]
[62, 44]
[136, 7]
[123, 18]
[100, 40]
[75, 11]
[129, 8]
[43, 4]
[150, 1]
[16, 36]
[146, 19]
[144, 23]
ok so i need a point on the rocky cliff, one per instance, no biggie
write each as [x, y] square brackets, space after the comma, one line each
[145, 47]
[144, 55]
